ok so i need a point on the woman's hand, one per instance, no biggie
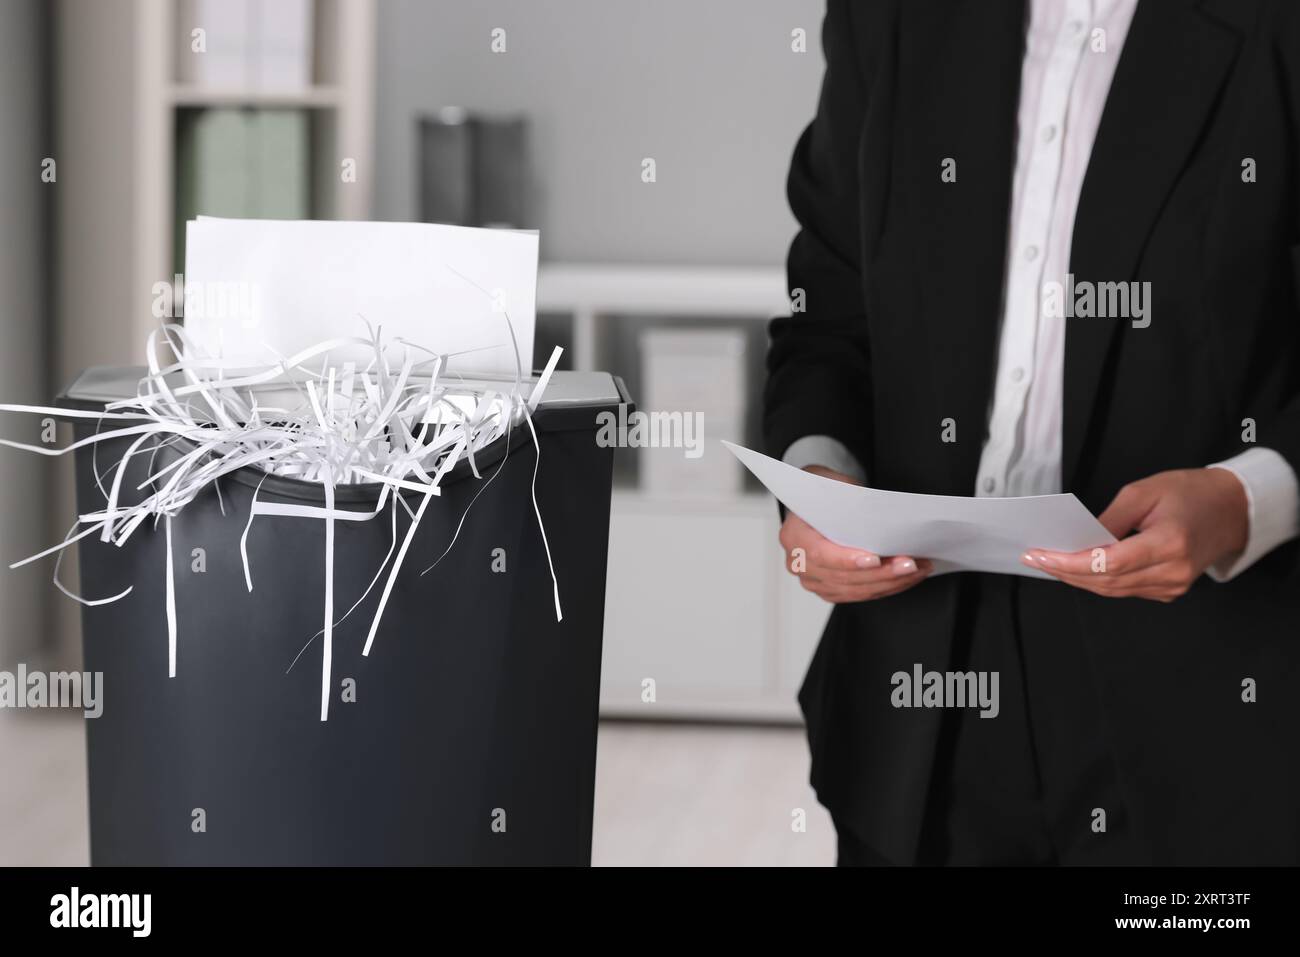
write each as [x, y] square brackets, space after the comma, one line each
[1187, 520]
[840, 574]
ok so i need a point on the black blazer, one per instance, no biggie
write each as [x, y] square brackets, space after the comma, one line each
[902, 276]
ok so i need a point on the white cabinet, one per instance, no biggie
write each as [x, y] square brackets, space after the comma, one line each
[801, 618]
[697, 602]
[696, 598]
[685, 604]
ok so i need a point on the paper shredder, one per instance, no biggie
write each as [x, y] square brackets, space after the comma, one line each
[467, 736]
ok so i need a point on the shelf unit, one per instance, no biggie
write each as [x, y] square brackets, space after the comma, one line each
[117, 99]
[696, 598]
[316, 97]
[125, 67]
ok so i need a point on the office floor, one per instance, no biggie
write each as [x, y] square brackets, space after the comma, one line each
[666, 794]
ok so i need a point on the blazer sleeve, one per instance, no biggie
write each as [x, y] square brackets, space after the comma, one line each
[819, 373]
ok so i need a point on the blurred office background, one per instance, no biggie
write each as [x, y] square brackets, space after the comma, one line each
[648, 141]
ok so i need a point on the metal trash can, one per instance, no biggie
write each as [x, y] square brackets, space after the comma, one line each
[471, 738]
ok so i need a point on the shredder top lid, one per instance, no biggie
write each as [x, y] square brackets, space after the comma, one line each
[571, 403]
[100, 385]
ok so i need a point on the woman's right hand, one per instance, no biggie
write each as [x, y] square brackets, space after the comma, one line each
[837, 573]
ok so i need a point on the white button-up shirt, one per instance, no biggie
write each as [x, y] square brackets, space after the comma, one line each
[1071, 50]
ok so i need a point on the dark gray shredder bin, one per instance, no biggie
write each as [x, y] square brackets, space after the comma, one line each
[474, 706]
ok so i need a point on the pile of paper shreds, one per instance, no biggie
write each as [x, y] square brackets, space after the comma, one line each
[398, 421]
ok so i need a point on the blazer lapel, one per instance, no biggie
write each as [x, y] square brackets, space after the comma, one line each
[959, 69]
[1172, 66]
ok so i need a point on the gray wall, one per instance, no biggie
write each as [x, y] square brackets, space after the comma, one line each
[24, 202]
[709, 88]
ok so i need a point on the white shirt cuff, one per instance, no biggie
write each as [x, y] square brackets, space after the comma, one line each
[1273, 504]
[824, 451]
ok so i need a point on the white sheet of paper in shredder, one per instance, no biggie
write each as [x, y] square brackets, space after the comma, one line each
[263, 289]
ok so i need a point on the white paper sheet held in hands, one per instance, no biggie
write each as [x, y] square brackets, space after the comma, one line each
[956, 533]
[295, 283]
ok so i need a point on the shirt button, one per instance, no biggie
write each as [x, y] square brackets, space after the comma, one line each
[1049, 133]
[990, 484]
[1075, 27]
[1017, 374]
[1031, 253]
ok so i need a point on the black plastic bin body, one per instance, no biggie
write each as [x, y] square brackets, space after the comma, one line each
[472, 737]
